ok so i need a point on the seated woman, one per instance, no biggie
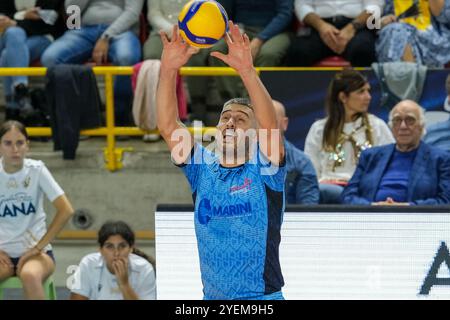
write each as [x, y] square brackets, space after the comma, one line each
[118, 272]
[25, 249]
[415, 32]
[335, 143]
[409, 172]
[25, 33]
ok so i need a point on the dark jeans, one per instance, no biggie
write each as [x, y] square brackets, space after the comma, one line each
[310, 49]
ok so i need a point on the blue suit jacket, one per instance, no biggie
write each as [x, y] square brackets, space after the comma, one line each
[429, 180]
[301, 183]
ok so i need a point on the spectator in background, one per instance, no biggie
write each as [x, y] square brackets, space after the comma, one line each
[25, 249]
[266, 22]
[415, 31]
[25, 32]
[335, 28]
[118, 272]
[438, 134]
[109, 32]
[301, 180]
[409, 172]
[162, 15]
[334, 144]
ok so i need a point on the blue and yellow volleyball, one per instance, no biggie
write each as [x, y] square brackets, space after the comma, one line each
[202, 23]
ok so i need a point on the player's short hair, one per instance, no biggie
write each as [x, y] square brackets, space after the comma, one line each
[241, 101]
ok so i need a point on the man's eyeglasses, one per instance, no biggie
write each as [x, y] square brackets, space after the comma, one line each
[409, 121]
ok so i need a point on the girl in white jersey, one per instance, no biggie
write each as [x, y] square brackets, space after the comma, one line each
[25, 249]
[118, 272]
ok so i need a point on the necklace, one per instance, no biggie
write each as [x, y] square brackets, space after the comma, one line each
[338, 156]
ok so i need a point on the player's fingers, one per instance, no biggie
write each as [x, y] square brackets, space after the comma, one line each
[246, 39]
[236, 34]
[175, 33]
[228, 39]
[164, 38]
[193, 50]
[220, 55]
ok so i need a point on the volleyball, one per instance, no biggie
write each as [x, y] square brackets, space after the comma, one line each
[202, 23]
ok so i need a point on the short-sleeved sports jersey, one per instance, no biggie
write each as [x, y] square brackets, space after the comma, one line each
[238, 216]
[22, 216]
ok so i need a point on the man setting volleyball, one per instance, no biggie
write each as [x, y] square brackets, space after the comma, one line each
[238, 196]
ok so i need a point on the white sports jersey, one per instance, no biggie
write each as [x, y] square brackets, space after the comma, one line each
[22, 216]
[94, 281]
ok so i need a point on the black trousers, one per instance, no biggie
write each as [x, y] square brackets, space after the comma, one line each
[309, 49]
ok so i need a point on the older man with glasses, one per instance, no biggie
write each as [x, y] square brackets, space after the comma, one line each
[409, 172]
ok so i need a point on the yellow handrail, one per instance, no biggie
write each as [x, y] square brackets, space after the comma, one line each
[113, 154]
[185, 71]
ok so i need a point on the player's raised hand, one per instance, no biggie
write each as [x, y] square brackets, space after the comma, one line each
[239, 55]
[176, 52]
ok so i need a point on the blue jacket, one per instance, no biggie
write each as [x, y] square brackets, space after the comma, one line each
[429, 180]
[438, 135]
[301, 180]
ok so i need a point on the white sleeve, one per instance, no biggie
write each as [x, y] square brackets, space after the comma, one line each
[82, 284]
[156, 17]
[303, 8]
[313, 147]
[147, 284]
[48, 184]
[383, 133]
[374, 5]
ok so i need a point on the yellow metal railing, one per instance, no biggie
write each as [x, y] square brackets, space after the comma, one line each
[113, 155]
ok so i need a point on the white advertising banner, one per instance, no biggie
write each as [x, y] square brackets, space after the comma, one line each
[328, 253]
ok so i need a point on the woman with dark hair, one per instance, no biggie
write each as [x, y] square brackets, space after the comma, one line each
[118, 272]
[335, 143]
[25, 249]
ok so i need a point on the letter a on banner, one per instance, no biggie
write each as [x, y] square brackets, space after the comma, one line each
[431, 280]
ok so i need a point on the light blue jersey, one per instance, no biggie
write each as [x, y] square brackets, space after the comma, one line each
[238, 216]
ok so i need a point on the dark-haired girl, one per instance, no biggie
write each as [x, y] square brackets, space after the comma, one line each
[25, 249]
[118, 272]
